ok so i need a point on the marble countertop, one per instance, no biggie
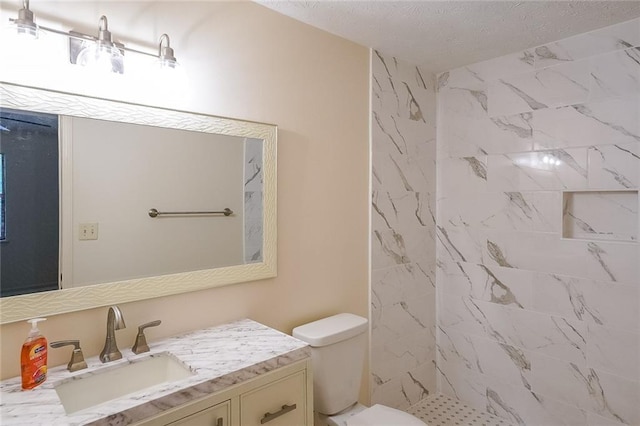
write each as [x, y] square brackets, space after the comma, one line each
[220, 357]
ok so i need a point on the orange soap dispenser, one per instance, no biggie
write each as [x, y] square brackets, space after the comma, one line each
[33, 358]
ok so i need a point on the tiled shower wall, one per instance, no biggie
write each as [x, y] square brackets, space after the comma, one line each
[403, 233]
[534, 327]
[253, 185]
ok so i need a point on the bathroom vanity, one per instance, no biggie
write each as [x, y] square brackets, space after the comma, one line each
[242, 373]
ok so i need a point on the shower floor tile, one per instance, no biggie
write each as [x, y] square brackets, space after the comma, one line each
[440, 410]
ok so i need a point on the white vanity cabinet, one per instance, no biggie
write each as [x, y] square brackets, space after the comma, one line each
[282, 397]
[217, 415]
[243, 373]
[278, 403]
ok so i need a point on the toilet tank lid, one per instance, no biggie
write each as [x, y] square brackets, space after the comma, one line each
[331, 330]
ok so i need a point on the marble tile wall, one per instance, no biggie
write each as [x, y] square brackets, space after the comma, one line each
[253, 200]
[533, 327]
[403, 233]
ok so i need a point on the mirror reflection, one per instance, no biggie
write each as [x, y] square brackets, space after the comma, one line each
[29, 240]
[75, 195]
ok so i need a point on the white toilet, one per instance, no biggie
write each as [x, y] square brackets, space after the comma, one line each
[337, 354]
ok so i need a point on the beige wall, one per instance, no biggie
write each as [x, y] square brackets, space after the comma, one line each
[248, 62]
[122, 170]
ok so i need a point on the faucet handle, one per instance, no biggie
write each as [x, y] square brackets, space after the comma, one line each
[77, 361]
[140, 345]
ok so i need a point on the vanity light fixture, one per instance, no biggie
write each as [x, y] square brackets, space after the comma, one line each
[166, 58]
[99, 52]
[25, 26]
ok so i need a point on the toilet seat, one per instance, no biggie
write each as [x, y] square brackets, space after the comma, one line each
[380, 415]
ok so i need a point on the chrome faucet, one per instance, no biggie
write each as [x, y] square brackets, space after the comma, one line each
[115, 321]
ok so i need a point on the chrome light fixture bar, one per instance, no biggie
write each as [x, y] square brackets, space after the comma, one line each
[98, 52]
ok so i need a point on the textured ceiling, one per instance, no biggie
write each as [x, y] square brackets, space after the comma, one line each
[441, 35]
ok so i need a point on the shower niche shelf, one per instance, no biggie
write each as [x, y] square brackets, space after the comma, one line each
[600, 215]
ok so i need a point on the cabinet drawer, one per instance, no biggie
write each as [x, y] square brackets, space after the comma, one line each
[281, 403]
[218, 415]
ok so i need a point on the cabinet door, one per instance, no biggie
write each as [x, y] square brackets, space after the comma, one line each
[218, 415]
[280, 403]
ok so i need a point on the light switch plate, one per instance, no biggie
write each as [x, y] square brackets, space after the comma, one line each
[88, 231]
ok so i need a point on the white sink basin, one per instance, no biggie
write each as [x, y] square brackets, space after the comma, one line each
[103, 385]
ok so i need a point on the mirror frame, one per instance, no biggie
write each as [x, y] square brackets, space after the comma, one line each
[21, 307]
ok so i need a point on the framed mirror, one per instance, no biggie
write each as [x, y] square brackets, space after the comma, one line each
[131, 202]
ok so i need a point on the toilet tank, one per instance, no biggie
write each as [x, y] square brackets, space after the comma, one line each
[338, 345]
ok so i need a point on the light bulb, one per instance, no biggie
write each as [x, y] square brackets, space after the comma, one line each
[168, 64]
[168, 70]
[24, 47]
[19, 39]
[26, 32]
[101, 57]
